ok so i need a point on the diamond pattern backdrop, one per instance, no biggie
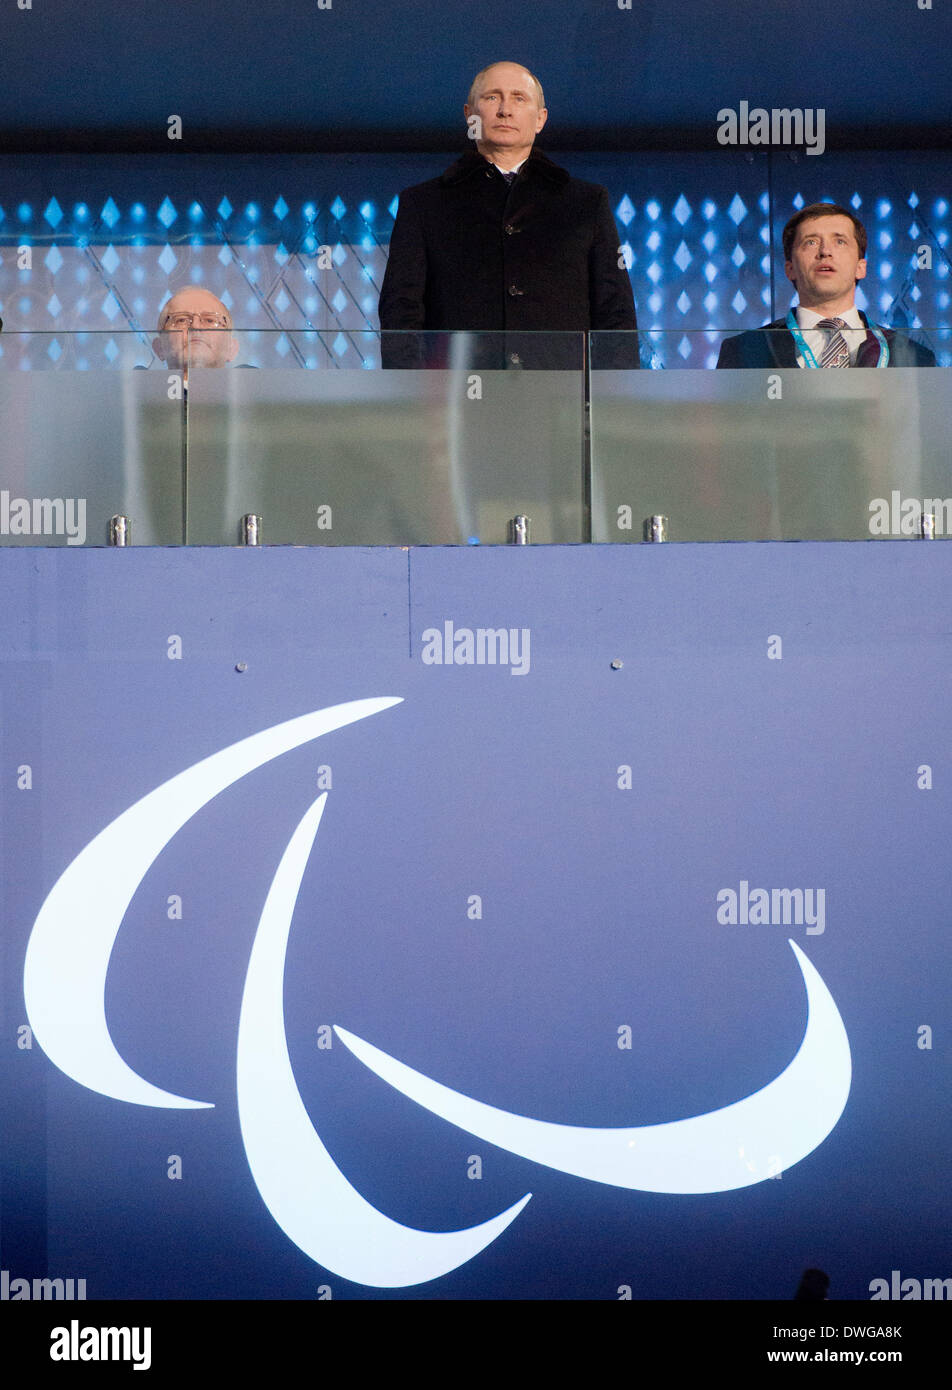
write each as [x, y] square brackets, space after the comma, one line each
[292, 246]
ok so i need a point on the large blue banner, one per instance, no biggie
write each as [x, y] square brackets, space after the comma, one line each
[476, 924]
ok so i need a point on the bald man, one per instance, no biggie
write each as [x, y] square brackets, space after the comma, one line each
[195, 329]
[505, 240]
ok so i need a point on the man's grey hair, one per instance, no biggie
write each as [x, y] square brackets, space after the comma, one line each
[471, 101]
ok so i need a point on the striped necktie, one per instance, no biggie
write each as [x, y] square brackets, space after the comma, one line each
[836, 353]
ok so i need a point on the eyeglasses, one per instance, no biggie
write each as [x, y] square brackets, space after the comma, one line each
[206, 320]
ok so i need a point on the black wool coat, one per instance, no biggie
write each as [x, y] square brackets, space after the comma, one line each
[470, 252]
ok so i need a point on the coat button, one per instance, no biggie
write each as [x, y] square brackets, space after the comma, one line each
[509, 229]
[514, 292]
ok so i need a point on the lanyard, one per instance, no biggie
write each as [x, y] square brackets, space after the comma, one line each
[809, 360]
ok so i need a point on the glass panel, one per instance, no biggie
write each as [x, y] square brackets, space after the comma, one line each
[775, 453]
[439, 439]
[85, 437]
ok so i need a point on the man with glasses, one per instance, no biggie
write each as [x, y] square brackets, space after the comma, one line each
[195, 330]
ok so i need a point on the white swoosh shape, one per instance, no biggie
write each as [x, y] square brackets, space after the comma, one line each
[300, 1183]
[717, 1152]
[67, 956]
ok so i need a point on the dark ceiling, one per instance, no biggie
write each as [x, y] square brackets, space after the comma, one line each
[392, 74]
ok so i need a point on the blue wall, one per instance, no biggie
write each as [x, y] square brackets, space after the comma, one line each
[801, 764]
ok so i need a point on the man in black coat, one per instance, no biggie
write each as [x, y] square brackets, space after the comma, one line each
[824, 249]
[504, 242]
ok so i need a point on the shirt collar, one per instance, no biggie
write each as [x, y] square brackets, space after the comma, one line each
[514, 170]
[808, 319]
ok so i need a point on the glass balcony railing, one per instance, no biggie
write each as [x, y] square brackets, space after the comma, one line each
[79, 444]
[391, 454]
[770, 452]
[448, 438]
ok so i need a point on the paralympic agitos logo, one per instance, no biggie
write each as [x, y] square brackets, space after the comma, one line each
[306, 1193]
